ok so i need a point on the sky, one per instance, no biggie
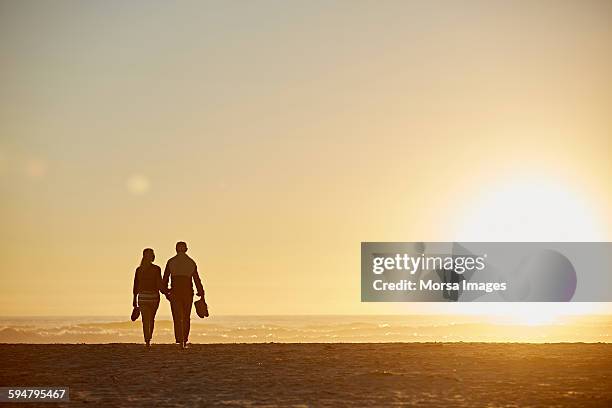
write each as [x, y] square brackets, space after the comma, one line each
[276, 136]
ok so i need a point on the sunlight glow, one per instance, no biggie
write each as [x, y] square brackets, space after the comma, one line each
[529, 209]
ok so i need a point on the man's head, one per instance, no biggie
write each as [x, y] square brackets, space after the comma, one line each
[181, 247]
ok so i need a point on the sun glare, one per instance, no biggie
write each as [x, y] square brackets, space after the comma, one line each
[529, 210]
[524, 209]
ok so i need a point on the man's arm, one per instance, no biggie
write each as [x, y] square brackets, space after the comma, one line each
[165, 279]
[198, 282]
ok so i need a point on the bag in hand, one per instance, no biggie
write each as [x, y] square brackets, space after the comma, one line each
[135, 313]
[201, 308]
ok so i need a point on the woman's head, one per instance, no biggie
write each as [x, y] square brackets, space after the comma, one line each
[148, 256]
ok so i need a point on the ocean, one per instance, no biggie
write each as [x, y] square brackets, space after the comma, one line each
[310, 329]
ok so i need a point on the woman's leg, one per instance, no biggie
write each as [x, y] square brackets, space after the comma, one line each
[154, 307]
[146, 311]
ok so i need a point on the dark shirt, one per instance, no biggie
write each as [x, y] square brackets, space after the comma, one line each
[181, 270]
[148, 279]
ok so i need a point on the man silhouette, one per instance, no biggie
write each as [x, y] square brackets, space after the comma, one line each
[181, 270]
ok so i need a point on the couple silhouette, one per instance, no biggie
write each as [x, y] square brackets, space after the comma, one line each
[181, 273]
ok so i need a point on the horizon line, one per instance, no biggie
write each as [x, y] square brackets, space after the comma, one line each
[600, 313]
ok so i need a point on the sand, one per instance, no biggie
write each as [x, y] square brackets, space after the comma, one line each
[451, 374]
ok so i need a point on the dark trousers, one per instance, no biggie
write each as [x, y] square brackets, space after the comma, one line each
[148, 309]
[181, 312]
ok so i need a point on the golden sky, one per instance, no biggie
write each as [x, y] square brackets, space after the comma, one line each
[275, 136]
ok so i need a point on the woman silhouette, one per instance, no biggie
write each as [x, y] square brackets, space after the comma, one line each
[147, 285]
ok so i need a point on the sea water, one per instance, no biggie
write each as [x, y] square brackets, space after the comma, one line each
[324, 329]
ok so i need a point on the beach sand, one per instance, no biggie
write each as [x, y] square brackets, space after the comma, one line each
[433, 374]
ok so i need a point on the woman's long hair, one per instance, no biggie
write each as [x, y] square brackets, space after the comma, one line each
[148, 256]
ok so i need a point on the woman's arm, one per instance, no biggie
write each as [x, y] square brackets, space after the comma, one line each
[135, 288]
[161, 286]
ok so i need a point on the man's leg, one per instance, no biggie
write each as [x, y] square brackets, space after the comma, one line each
[177, 317]
[187, 317]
